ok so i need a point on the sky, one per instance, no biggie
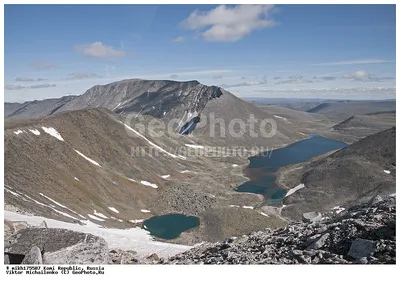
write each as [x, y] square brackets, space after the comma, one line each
[271, 51]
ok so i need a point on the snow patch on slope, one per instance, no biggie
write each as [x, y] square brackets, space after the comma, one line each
[37, 202]
[53, 132]
[18, 132]
[87, 158]
[280, 117]
[153, 185]
[65, 207]
[54, 201]
[95, 218]
[137, 221]
[194, 145]
[294, 189]
[116, 106]
[165, 176]
[35, 132]
[12, 192]
[63, 213]
[100, 214]
[145, 211]
[114, 210]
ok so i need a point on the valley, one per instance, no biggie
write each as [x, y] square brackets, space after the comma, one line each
[164, 161]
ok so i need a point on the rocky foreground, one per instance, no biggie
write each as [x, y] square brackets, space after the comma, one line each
[363, 234]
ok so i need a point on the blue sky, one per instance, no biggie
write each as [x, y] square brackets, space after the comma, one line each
[323, 51]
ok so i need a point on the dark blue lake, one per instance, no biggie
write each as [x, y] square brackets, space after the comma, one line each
[262, 169]
[170, 226]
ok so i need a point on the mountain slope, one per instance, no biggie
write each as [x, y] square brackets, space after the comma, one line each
[83, 166]
[353, 174]
[341, 110]
[83, 160]
[365, 125]
[36, 108]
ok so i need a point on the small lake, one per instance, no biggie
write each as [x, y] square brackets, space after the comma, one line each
[262, 169]
[170, 226]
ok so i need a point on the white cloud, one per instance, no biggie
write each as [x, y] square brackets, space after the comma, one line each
[27, 79]
[357, 75]
[97, 49]
[229, 24]
[37, 86]
[42, 86]
[178, 39]
[43, 64]
[14, 87]
[218, 77]
[244, 84]
[296, 77]
[173, 76]
[24, 79]
[324, 78]
[351, 62]
[204, 72]
[82, 75]
[295, 80]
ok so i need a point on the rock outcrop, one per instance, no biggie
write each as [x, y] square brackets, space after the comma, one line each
[363, 234]
[56, 246]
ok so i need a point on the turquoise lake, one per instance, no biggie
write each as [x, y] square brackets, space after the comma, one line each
[170, 226]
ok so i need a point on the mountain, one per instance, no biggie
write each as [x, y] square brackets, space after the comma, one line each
[297, 119]
[35, 108]
[341, 110]
[361, 126]
[83, 166]
[351, 175]
[190, 107]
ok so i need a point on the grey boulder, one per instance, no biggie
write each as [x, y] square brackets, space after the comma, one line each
[376, 200]
[361, 248]
[33, 257]
[319, 242]
[312, 217]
